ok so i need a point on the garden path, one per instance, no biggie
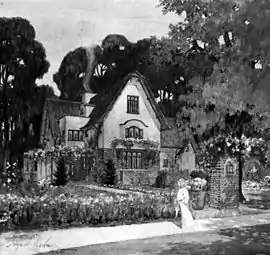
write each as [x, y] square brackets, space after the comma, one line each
[37, 241]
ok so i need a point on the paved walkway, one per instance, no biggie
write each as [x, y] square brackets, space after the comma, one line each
[253, 240]
[23, 243]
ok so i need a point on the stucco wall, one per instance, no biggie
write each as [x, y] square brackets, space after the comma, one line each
[74, 123]
[169, 154]
[114, 126]
[88, 109]
[187, 160]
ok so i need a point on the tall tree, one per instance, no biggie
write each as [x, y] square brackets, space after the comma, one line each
[233, 102]
[75, 72]
[22, 61]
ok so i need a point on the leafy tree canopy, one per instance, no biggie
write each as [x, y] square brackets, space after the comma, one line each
[233, 101]
[22, 61]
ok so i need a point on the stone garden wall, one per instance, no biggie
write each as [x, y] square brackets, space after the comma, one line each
[137, 177]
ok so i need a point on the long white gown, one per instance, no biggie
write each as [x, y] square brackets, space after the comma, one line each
[186, 215]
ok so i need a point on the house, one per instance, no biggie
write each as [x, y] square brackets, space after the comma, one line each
[125, 114]
[177, 148]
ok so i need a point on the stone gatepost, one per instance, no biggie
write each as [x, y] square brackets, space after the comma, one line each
[224, 186]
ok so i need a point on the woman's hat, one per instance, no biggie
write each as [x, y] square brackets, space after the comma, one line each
[182, 182]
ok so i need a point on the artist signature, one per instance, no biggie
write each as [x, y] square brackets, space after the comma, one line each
[34, 241]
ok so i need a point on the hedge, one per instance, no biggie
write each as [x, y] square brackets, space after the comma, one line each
[67, 211]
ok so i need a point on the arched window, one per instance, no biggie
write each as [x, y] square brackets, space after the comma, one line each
[134, 132]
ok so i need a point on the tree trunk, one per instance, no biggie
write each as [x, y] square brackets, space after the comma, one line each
[241, 196]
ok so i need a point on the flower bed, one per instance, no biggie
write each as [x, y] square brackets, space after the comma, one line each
[78, 206]
[253, 185]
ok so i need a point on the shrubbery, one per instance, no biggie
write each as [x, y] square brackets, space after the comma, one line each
[169, 178]
[67, 209]
[161, 179]
[109, 174]
[12, 175]
[61, 176]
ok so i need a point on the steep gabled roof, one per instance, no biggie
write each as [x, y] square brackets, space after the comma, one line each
[53, 110]
[105, 100]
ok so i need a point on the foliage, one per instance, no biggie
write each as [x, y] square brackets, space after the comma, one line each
[144, 143]
[71, 208]
[109, 177]
[61, 176]
[11, 178]
[73, 70]
[232, 102]
[199, 173]
[161, 179]
[22, 62]
[98, 170]
[70, 153]
[198, 184]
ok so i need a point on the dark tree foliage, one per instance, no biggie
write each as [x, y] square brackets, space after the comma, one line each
[22, 62]
[109, 174]
[236, 89]
[61, 176]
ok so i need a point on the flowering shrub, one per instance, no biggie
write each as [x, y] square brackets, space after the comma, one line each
[67, 152]
[145, 143]
[267, 180]
[10, 179]
[251, 185]
[68, 209]
[254, 185]
[216, 147]
[197, 184]
[12, 175]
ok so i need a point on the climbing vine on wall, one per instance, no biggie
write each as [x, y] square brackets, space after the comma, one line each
[217, 147]
[129, 142]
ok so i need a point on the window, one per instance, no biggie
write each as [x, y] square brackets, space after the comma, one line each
[134, 132]
[75, 135]
[133, 104]
[132, 159]
[81, 135]
[229, 167]
[70, 135]
[165, 162]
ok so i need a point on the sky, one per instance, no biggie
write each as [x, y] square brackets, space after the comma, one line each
[63, 25]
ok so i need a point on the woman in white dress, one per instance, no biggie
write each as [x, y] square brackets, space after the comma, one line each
[182, 202]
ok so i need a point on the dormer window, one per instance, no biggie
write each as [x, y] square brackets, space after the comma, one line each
[134, 132]
[133, 104]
